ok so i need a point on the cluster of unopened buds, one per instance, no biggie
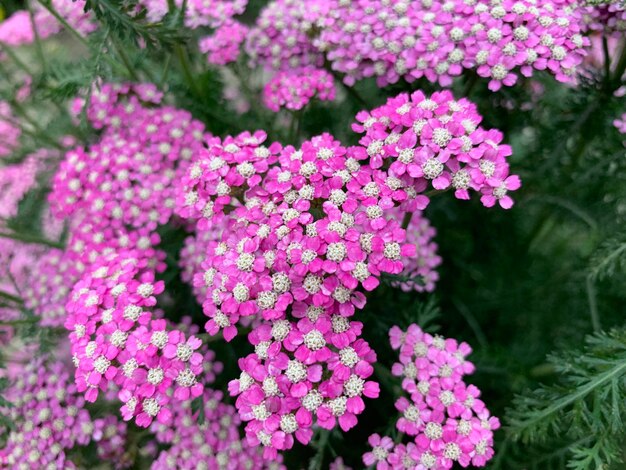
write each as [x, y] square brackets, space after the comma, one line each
[442, 415]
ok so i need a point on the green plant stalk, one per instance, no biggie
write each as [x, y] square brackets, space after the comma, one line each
[186, 67]
[407, 220]
[38, 132]
[22, 237]
[38, 44]
[48, 6]
[125, 60]
[11, 297]
[581, 393]
[593, 305]
[166, 71]
[19, 322]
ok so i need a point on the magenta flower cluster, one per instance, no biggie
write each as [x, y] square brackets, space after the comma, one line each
[50, 418]
[117, 339]
[437, 141]
[223, 46]
[420, 273]
[126, 178]
[198, 13]
[214, 443]
[294, 91]
[443, 416]
[609, 17]
[292, 235]
[18, 29]
[436, 40]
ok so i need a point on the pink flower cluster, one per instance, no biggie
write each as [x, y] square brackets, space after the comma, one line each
[50, 419]
[281, 38]
[411, 40]
[192, 255]
[18, 29]
[198, 13]
[438, 141]
[419, 273]
[443, 416]
[203, 446]
[117, 339]
[313, 371]
[223, 46]
[294, 90]
[127, 177]
[292, 236]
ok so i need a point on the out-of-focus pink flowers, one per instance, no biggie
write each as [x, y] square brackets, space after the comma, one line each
[294, 91]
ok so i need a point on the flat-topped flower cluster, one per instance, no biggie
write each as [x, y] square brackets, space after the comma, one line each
[293, 236]
[443, 416]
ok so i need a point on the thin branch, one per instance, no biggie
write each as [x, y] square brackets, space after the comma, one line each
[22, 237]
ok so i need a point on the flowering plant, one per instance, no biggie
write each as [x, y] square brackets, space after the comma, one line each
[241, 234]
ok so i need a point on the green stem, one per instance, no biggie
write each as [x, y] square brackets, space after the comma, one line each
[472, 80]
[407, 220]
[48, 6]
[607, 59]
[39, 47]
[593, 305]
[186, 66]
[11, 297]
[294, 127]
[22, 237]
[166, 71]
[16, 59]
[125, 60]
[620, 68]
[19, 322]
[39, 132]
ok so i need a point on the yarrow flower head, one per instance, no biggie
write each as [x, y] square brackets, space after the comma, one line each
[437, 141]
[50, 419]
[17, 30]
[443, 416]
[411, 40]
[223, 46]
[126, 178]
[198, 13]
[294, 90]
[116, 339]
[214, 443]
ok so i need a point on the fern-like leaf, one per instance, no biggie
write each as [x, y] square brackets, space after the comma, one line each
[585, 403]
